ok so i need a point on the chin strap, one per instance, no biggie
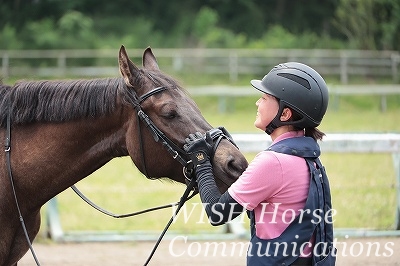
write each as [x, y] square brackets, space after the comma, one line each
[276, 122]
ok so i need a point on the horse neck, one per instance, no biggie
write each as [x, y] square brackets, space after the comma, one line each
[60, 154]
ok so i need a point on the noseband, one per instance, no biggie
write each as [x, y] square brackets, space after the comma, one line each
[177, 153]
[158, 136]
[216, 134]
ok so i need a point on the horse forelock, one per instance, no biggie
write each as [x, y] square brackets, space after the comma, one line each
[58, 101]
[160, 79]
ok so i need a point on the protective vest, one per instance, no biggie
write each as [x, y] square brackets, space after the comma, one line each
[316, 219]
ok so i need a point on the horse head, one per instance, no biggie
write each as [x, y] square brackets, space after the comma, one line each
[175, 115]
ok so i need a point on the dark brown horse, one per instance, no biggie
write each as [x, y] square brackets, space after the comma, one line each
[61, 131]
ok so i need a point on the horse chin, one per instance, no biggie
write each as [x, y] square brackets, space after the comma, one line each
[222, 187]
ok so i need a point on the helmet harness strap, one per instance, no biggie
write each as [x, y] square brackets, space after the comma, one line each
[276, 122]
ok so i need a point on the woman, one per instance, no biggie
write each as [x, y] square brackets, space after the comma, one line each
[290, 211]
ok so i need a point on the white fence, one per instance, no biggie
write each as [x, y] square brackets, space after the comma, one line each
[233, 62]
[229, 93]
[333, 143]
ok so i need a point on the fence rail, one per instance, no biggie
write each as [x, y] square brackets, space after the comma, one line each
[335, 143]
[233, 62]
[227, 94]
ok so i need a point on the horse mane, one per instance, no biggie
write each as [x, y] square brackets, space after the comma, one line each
[58, 101]
[66, 100]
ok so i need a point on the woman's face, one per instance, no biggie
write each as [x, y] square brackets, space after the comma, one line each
[267, 108]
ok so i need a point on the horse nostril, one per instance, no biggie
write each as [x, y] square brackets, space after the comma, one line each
[235, 167]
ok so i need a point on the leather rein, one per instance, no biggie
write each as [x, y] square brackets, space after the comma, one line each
[177, 153]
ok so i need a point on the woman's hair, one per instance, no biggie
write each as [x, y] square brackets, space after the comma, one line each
[312, 132]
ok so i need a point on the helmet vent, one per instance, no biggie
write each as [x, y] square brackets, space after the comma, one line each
[297, 79]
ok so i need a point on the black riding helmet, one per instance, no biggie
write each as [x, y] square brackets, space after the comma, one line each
[298, 87]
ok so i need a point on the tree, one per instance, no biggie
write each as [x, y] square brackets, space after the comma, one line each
[354, 18]
[388, 17]
[369, 24]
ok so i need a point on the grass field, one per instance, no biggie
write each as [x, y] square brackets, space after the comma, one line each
[363, 185]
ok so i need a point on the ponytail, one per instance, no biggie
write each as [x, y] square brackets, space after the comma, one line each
[314, 133]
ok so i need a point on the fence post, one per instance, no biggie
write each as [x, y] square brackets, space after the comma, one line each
[396, 162]
[5, 65]
[233, 67]
[235, 226]
[54, 229]
[395, 61]
[62, 64]
[343, 67]
[177, 63]
[383, 103]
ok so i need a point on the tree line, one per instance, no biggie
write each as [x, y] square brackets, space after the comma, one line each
[309, 24]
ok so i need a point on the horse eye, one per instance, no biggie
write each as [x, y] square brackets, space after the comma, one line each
[169, 110]
[171, 114]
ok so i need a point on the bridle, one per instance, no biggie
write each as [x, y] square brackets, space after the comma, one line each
[174, 150]
[177, 153]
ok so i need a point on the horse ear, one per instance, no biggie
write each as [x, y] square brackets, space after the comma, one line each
[149, 60]
[128, 70]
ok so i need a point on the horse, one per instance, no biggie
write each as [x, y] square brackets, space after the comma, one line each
[57, 132]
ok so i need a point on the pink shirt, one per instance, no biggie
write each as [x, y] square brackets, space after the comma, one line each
[275, 186]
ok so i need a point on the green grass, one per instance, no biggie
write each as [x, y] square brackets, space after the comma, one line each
[363, 189]
[126, 190]
[363, 185]
[363, 193]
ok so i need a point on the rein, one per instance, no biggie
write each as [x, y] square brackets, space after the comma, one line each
[7, 150]
[217, 134]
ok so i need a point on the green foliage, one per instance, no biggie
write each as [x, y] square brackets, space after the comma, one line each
[205, 21]
[111, 32]
[210, 35]
[76, 28]
[275, 37]
[73, 30]
[388, 17]
[8, 38]
[355, 19]
[41, 34]
[371, 24]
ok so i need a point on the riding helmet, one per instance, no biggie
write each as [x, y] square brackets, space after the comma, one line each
[298, 87]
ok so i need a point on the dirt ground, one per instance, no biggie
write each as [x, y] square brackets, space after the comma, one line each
[179, 251]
